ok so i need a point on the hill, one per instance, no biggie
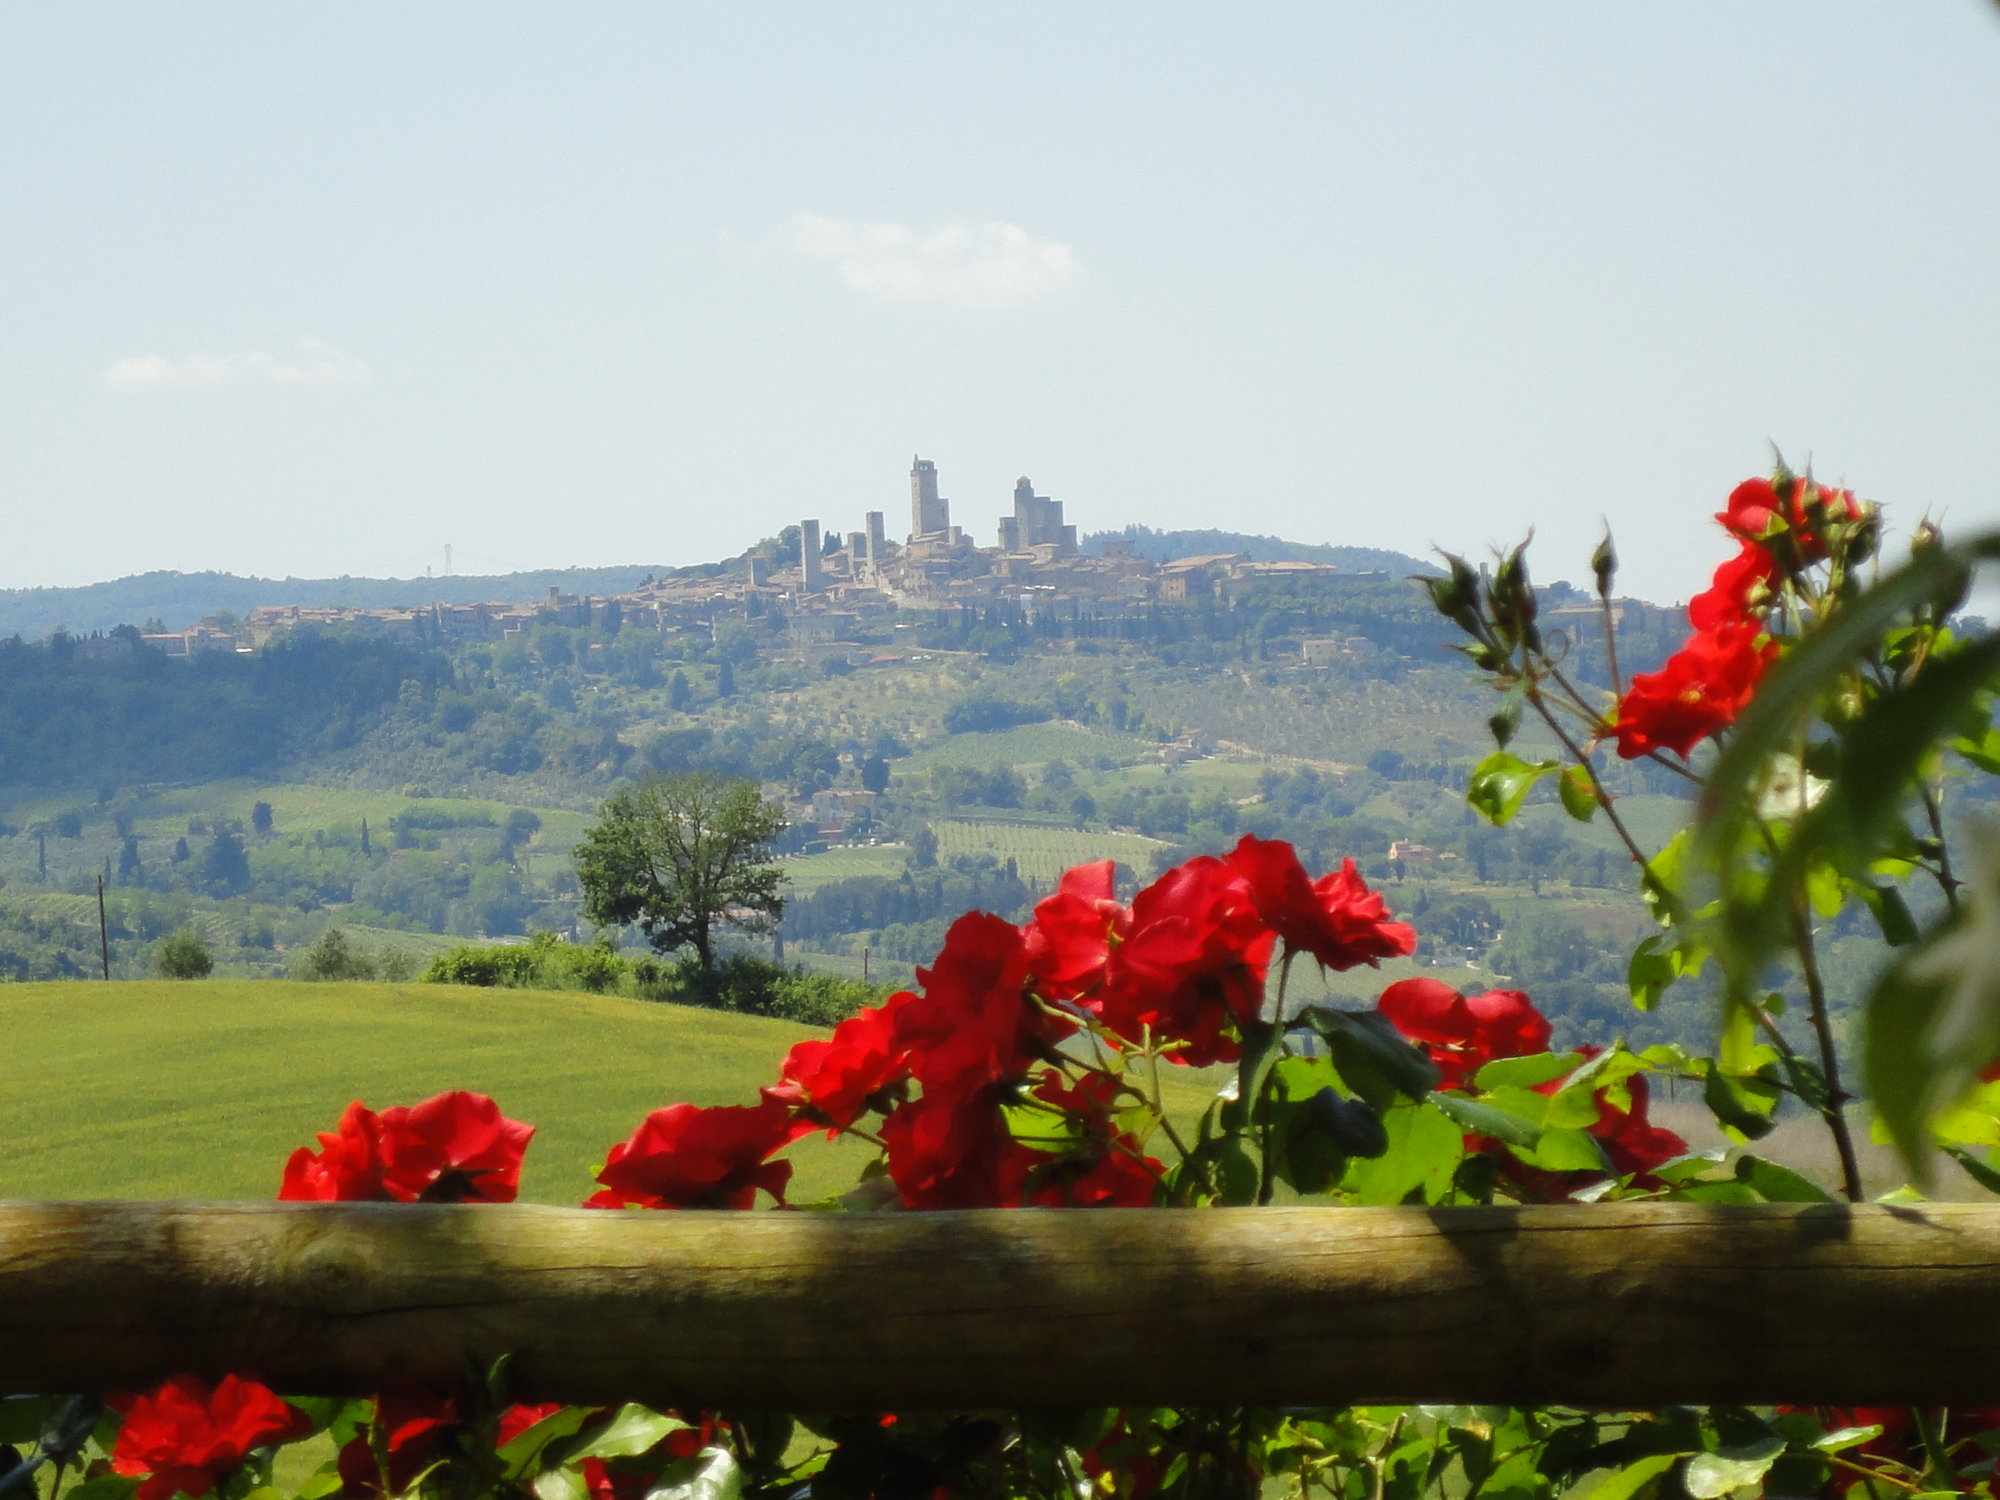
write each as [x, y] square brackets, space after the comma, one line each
[1165, 546]
[203, 1089]
[177, 600]
[154, 1089]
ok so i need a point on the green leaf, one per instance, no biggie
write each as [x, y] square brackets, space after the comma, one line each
[520, 1454]
[1525, 1072]
[1506, 720]
[1778, 1184]
[1263, 1045]
[1982, 749]
[1579, 796]
[632, 1430]
[22, 1417]
[1881, 750]
[559, 1484]
[1484, 1119]
[1566, 1151]
[1375, 1060]
[1933, 1019]
[1657, 962]
[1891, 913]
[1500, 784]
[1425, 1148]
[1635, 1478]
[1979, 1171]
[1745, 1104]
[714, 1476]
[1710, 1476]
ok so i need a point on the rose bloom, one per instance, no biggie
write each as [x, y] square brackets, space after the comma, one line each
[838, 1077]
[1184, 964]
[187, 1434]
[1336, 919]
[454, 1148]
[1462, 1033]
[1700, 690]
[684, 1157]
[1765, 510]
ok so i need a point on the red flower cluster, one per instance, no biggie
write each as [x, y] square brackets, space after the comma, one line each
[1701, 689]
[187, 1434]
[684, 1157]
[1788, 512]
[454, 1148]
[1782, 525]
[965, 1069]
[1463, 1033]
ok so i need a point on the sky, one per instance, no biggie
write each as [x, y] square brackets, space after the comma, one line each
[308, 291]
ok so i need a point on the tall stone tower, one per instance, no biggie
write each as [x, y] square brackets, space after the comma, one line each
[811, 580]
[929, 514]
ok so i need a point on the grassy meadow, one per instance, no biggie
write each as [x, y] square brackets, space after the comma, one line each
[157, 1089]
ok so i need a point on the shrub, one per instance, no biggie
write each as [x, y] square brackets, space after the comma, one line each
[755, 986]
[332, 957]
[183, 955]
[544, 962]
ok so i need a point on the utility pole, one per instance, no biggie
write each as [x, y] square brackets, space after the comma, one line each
[103, 930]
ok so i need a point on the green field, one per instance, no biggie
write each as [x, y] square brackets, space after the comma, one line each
[1042, 854]
[202, 1090]
[807, 873]
[157, 1090]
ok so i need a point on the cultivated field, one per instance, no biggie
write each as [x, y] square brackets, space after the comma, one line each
[1041, 854]
[807, 873]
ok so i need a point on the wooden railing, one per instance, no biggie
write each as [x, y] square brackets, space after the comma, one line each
[1621, 1305]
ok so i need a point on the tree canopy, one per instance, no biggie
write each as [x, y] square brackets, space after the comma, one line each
[682, 855]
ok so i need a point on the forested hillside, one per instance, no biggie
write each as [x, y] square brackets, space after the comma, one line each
[414, 792]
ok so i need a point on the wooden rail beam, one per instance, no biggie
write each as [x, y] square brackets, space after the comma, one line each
[1623, 1305]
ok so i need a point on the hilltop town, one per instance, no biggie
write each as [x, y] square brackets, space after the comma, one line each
[821, 586]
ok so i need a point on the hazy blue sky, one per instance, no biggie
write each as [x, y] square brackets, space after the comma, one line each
[319, 290]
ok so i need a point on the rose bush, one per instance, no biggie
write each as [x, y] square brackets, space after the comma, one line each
[1025, 1065]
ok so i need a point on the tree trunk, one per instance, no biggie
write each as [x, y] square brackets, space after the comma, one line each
[1621, 1305]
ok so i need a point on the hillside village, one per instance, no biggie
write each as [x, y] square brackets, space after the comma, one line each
[817, 589]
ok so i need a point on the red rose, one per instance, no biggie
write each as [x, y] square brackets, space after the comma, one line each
[1701, 689]
[1073, 931]
[348, 1168]
[1788, 509]
[684, 1157]
[1463, 1033]
[953, 1151]
[1103, 1167]
[1739, 583]
[187, 1434]
[838, 1076]
[1634, 1145]
[454, 1148]
[973, 1024]
[1337, 919]
[1191, 966]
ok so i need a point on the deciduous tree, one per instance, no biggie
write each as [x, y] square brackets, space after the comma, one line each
[681, 856]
